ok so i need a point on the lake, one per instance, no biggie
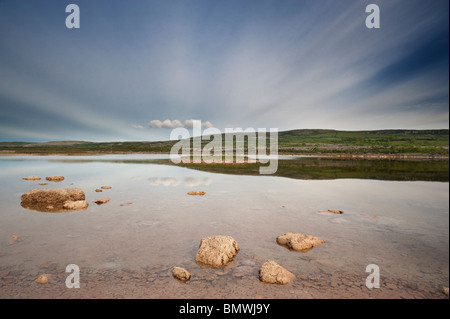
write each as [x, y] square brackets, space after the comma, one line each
[126, 247]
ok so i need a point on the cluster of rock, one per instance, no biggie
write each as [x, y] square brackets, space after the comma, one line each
[57, 200]
[55, 178]
[218, 251]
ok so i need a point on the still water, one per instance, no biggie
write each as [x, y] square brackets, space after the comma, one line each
[401, 226]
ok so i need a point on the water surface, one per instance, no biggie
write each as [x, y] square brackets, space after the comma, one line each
[150, 221]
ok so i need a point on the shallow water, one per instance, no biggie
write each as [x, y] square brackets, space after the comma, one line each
[403, 227]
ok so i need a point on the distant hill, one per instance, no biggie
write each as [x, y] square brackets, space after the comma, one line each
[301, 141]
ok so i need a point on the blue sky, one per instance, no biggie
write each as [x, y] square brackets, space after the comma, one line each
[285, 64]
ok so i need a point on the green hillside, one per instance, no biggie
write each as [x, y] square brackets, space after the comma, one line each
[326, 142]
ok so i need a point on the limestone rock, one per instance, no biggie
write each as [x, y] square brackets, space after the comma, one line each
[197, 193]
[272, 273]
[98, 190]
[101, 201]
[106, 187]
[55, 196]
[299, 242]
[32, 178]
[43, 279]
[76, 205]
[445, 291]
[56, 178]
[216, 251]
[335, 211]
[181, 274]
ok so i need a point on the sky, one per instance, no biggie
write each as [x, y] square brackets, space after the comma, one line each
[136, 69]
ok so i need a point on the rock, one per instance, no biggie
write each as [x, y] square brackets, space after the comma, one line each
[101, 201]
[198, 193]
[299, 242]
[216, 251]
[42, 184]
[76, 205]
[56, 178]
[332, 211]
[98, 190]
[32, 178]
[43, 279]
[181, 274]
[14, 238]
[335, 211]
[106, 187]
[41, 199]
[272, 273]
[445, 291]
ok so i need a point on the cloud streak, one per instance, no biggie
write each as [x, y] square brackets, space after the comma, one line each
[269, 63]
[171, 124]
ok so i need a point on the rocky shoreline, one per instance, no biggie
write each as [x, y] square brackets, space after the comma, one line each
[239, 280]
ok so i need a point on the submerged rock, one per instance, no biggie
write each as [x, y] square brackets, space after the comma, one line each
[32, 178]
[272, 273]
[198, 193]
[216, 251]
[106, 187]
[15, 238]
[43, 279]
[41, 199]
[76, 205]
[333, 211]
[56, 178]
[98, 190]
[101, 201]
[181, 274]
[42, 184]
[299, 242]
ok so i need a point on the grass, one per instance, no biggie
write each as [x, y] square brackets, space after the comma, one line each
[318, 142]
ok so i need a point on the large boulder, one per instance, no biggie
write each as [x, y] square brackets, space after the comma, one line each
[216, 251]
[51, 200]
[299, 242]
[272, 273]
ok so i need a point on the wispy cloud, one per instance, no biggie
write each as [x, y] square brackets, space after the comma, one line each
[176, 123]
[285, 64]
